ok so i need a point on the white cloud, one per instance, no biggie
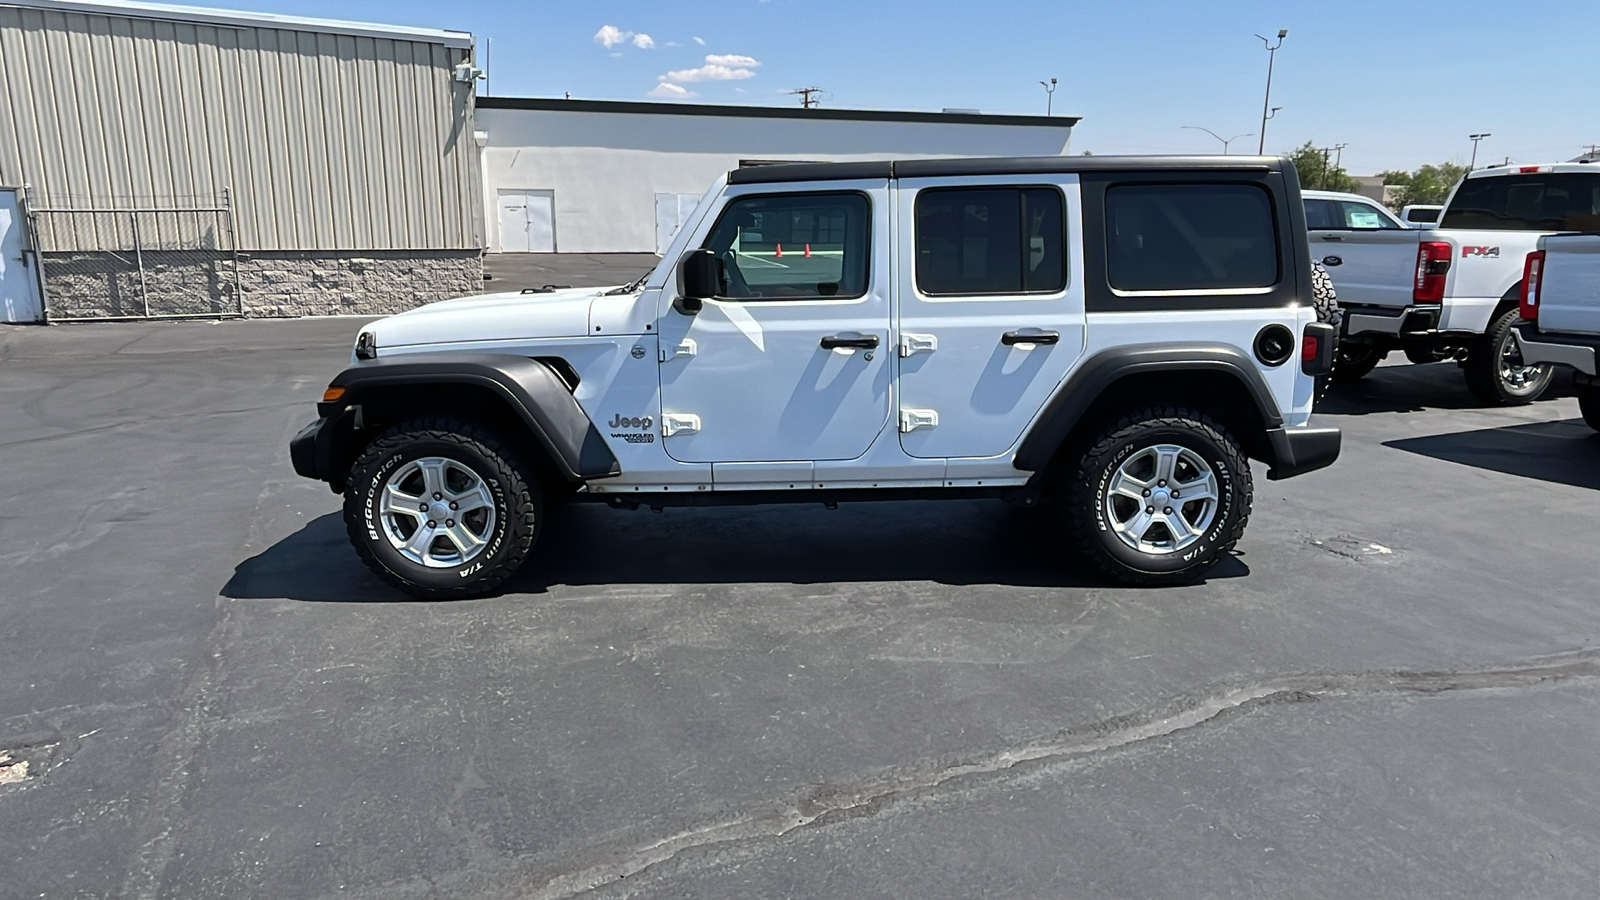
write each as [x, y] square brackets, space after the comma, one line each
[700, 40]
[733, 60]
[717, 68]
[610, 35]
[666, 90]
[644, 41]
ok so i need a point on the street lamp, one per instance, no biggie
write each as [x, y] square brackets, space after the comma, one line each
[1049, 89]
[1475, 138]
[1272, 52]
[1225, 141]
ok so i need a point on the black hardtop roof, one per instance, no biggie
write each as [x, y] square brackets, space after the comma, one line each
[1015, 165]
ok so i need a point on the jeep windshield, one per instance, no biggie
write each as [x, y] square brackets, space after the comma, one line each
[1531, 202]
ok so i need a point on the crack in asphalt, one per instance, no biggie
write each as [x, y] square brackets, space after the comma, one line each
[607, 865]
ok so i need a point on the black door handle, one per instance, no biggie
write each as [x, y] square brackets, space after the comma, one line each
[1333, 237]
[1013, 338]
[834, 342]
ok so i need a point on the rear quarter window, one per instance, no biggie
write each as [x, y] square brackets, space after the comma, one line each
[1190, 238]
[1532, 202]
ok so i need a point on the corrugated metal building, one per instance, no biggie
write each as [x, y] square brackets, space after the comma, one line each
[194, 161]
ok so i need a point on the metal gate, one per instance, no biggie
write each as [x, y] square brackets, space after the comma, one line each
[140, 262]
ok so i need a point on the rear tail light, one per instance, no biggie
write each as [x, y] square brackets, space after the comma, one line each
[1316, 349]
[1532, 281]
[1433, 261]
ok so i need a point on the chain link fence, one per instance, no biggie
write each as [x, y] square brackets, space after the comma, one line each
[142, 262]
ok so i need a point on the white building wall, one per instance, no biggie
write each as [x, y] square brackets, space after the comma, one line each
[606, 168]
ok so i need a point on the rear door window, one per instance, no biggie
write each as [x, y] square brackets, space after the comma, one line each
[1190, 238]
[1531, 202]
[990, 241]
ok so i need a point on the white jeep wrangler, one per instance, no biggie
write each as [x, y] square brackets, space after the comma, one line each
[1116, 335]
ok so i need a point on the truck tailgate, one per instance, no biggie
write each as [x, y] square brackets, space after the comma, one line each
[1569, 300]
[1369, 268]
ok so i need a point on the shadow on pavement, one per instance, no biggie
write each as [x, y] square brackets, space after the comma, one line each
[1564, 452]
[948, 542]
[1412, 388]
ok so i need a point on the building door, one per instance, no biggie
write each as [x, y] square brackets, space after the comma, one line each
[991, 308]
[19, 282]
[791, 361]
[672, 210]
[527, 220]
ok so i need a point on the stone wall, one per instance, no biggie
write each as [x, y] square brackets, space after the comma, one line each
[277, 284]
[270, 284]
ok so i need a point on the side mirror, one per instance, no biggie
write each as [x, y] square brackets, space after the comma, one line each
[699, 279]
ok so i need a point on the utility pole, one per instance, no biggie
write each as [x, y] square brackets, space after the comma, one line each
[1272, 52]
[1049, 91]
[1475, 138]
[1325, 152]
[806, 98]
[1338, 156]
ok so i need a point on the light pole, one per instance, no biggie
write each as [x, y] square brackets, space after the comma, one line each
[1272, 52]
[1475, 138]
[1225, 141]
[1049, 90]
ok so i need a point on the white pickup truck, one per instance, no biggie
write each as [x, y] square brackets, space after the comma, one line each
[1451, 292]
[1561, 306]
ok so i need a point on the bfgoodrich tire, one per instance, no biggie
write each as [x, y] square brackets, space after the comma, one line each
[1159, 496]
[1494, 370]
[442, 508]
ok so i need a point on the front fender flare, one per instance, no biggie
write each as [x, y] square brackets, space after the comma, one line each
[529, 387]
[1078, 393]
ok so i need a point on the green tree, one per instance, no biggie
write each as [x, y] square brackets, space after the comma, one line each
[1428, 184]
[1317, 171]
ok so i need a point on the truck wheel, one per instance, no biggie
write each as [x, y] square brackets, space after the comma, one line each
[1351, 362]
[1159, 496]
[1494, 370]
[1589, 406]
[441, 508]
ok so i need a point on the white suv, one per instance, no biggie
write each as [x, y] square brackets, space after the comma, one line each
[1115, 335]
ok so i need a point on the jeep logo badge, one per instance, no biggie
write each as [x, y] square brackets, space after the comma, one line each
[621, 421]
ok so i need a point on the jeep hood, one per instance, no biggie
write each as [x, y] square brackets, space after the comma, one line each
[490, 317]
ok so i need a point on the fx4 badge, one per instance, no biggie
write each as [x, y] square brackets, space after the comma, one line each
[1485, 252]
[637, 437]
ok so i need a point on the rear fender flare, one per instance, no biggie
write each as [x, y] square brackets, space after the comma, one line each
[1067, 406]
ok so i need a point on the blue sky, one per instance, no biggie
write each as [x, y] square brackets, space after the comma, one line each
[1402, 83]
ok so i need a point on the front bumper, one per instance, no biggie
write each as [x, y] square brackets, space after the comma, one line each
[1577, 351]
[319, 451]
[1307, 448]
[1382, 321]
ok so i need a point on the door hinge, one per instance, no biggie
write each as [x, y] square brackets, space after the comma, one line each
[918, 343]
[912, 419]
[679, 423]
[686, 348]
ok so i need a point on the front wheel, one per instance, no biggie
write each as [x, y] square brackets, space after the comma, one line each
[1160, 496]
[1494, 369]
[442, 508]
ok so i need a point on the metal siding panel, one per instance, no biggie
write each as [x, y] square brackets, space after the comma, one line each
[16, 104]
[60, 167]
[355, 141]
[373, 117]
[334, 101]
[85, 114]
[410, 183]
[444, 91]
[113, 115]
[136, 146]
[259, 227]
[215, 107]
[314, 174]
[231, 97]
[188, 126]
[159, 157]
[282, 83]
[389, 149]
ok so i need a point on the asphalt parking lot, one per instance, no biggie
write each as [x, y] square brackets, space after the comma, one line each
[1393, 690]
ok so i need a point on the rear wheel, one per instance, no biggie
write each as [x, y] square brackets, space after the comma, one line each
[1353, 361]
[442, 508]
[1494, 369]
[1160, 496]
[1589, 405]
